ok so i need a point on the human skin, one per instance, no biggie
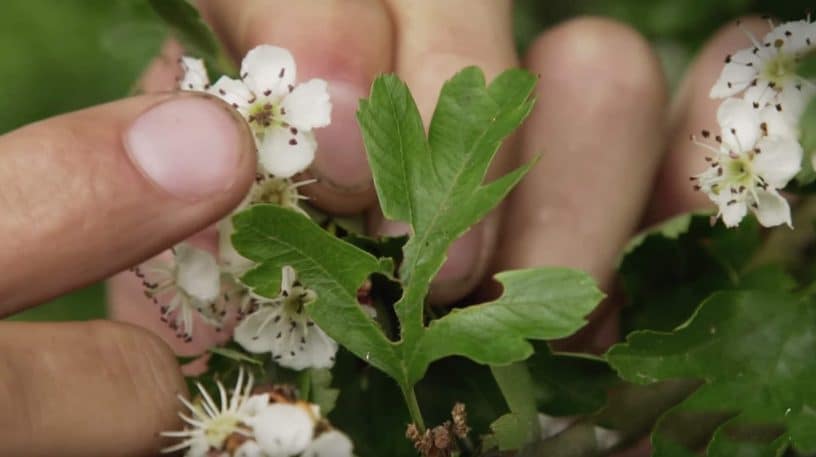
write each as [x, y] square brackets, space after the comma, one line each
[87, 194]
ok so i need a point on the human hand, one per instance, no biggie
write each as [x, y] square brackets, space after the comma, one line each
[85, 195]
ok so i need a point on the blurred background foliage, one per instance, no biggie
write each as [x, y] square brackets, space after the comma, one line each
[61, 55]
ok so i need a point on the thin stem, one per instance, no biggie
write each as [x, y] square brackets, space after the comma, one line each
[305, 384]
[413, 407]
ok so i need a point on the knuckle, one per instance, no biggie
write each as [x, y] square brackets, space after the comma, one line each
[353, 38]
[589, 48]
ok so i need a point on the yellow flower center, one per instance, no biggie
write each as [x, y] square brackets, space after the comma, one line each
[779, 69]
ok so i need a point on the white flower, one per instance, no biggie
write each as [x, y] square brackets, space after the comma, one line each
[749, 166]
[767, 71]
[281, 115]
[330, 444]
[194, 280]
[282, 327]
[283, 429]
[195, 75]
[211, 424]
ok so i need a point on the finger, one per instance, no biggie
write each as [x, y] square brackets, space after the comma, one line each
[435, 40]
[692, 111]
[163, 72]
[90, 193]
[85, 389]
[598, 128]
[125, 291]
[347, 42]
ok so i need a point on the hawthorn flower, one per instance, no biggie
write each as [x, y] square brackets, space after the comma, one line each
[749, 165]
[210, 425]
[281, 326]
[767, 70]
[195, 75]
[281, 114]
[193, 283]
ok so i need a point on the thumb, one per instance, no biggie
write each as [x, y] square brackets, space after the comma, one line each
[87, 194]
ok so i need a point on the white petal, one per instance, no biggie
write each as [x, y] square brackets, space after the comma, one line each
[249, 449]
[268, 70]
[231, 260]
[308, 106]
[283, 429]
[199, 447]
[732, 213]
[779, 161]
[197, 273]
[195, 75]
[736, 74]
[740, 124]
[285, 153]
[761, 95]
[772, 209]
[254, 405]
[794, 97]
[776, 123]
[330, 444]
[233, 92]
[794, 36]
[257, 331]
[318, 351]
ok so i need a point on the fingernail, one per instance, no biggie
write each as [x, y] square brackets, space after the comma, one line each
[463, 255]
[188, 146]
[340, 161]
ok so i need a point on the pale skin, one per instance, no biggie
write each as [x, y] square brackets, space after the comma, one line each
[614, 155]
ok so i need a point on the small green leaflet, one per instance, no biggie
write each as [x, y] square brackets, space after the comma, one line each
[435, 184]
[753, 349]
[539, 304]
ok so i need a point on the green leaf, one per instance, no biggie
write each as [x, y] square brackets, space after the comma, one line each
[192, 32]
[274, 237]
[235, 355]
[754, 350]
[807, 66]
[670, 269]
[436, 184]
[745, 443]
[520, 426]
[569, 384]
[807, 125]
[539, 304]
[321, 392]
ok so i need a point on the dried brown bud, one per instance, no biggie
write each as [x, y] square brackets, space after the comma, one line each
[459, 415]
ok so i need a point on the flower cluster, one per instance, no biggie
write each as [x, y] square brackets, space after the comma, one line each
[249, 424]
[195, 288]
[757, 151]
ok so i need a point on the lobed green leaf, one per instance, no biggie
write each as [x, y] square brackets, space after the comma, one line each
[753, 349]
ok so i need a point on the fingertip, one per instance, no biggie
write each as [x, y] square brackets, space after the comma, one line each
[193, 147]
[582, 48]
